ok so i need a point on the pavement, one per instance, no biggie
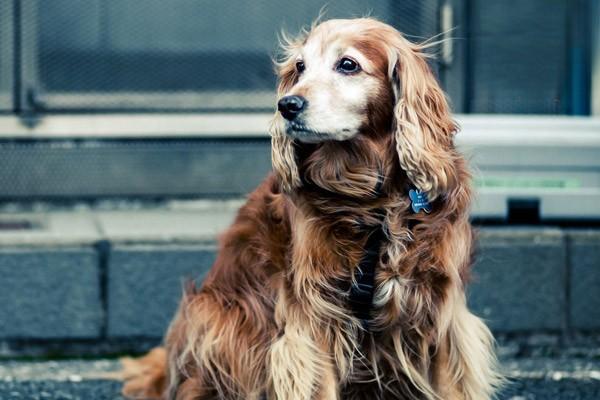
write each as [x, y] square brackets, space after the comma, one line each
[538, 378]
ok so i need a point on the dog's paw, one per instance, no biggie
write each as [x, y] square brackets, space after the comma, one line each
[145, 377]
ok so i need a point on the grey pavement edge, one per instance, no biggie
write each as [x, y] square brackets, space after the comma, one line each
[72, 380]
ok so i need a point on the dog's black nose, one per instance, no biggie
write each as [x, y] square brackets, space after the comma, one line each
[291, 106]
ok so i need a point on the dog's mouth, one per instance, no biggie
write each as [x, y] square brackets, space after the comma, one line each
[300, 131]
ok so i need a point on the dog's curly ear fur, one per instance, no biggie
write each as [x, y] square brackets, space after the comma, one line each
[283, 155]
[423, 126]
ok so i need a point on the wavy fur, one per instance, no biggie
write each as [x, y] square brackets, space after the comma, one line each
[272, 318]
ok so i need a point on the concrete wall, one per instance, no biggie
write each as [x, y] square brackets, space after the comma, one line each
[118, 275]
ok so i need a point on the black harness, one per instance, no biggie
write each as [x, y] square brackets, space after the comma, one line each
[362, 289]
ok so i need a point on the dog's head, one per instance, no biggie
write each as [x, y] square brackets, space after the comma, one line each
[361, 80]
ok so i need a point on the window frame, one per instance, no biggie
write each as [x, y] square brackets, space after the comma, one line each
[595, 59]
[24, 95]
[137, 125]
[7, 57]
[33, 99]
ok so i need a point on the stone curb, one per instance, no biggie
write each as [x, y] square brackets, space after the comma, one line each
[118, 274]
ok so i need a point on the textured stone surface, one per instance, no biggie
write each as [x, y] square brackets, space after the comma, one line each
[530, 379]
[519, 279]
[167, 226]
[51, 287]
[145, 285]
[584, 260]
[49, 293]
[48, 229]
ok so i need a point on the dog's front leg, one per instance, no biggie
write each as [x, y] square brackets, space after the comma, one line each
[465, 367]
[301, 369]
[328, 386]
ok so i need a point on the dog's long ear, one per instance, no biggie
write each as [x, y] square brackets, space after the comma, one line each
[423, 126]
[283, 155]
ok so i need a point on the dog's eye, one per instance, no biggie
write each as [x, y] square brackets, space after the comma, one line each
[300, 66]
[348, 66]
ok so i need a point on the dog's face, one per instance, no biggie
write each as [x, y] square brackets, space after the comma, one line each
[360, 81]
[339, 76]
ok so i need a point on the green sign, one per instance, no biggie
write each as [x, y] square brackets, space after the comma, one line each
[527, 182]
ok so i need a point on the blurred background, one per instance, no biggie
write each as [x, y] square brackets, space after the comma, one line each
[131, 131]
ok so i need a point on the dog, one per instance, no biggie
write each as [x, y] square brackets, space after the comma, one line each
[343, 276]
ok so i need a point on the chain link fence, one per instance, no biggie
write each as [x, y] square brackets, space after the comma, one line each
[179, 54]
[158, 56]
[198, 55]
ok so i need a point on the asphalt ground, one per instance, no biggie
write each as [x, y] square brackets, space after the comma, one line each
[526, 389]
[529, 379]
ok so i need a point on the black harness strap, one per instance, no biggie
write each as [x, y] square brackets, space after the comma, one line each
[362, 289]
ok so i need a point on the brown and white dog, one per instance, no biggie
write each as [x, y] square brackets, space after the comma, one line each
[361, 122]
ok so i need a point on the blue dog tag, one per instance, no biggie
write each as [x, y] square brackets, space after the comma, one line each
[419, 201]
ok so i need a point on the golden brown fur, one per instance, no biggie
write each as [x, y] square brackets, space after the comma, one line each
[272, 318]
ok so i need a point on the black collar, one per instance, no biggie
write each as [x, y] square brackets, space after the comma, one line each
[362, 288]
